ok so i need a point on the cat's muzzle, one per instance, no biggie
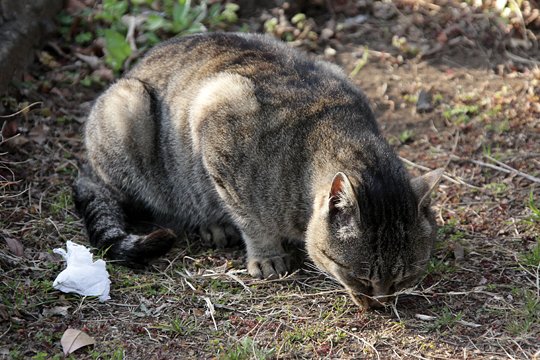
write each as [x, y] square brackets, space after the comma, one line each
[370, 302]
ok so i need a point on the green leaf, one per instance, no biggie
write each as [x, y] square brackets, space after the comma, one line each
[152, 38]
[118, 49]
[298, 18]
[83, 37]
[229, 14]
[180, 13]
[156, 22]
[65, 19]
[142, 2]
[113, 10]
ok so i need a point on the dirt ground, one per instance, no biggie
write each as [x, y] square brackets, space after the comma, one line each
[480, 298]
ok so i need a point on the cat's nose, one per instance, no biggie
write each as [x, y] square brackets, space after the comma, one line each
[378, 295]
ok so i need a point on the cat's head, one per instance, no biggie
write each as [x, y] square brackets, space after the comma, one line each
[374, 233]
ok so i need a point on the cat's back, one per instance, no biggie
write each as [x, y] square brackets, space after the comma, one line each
[204, 55]
[282, 77]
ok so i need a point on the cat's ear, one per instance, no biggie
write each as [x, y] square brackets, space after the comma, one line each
[425, 184]
[342, 195]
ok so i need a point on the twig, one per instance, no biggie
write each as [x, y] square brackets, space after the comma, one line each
[228, 274]
[22, 110]
[520, 173]
[454, 180]
[503, 168]
[130, 36]
[150, 335]
[211, 310]
[3, 334]
[491, 166]
[364, 341]
[520, 59]
[515, 171]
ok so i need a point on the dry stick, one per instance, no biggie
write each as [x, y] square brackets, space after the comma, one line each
[491, 166]
[512, 170]
[211, 309]
[364, 341]
[22, 110]
[520, 59]
[421, 167]
[453, 180]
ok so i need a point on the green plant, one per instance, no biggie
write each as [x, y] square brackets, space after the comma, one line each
[461, 114]
[247, 349]
[118, 354]
[411, 99]
[496, 188]
[150, 22]
[535, 210]
[299, 26]
[499, 127]
[526, 317]
[361, 63]
[436, 266]
[404, 46]
[437, 98]
[532, 258]
[340, 305]
[15, 354]
[62, 201]
[180, 326]
[406, 136]
[40, 356]
[447, 318]
[448, 228]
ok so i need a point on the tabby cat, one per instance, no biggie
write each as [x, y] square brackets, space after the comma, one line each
[239, 135]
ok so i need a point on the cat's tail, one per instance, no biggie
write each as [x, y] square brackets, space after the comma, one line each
[105, 224]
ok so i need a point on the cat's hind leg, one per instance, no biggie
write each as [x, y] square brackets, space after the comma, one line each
[104, 219]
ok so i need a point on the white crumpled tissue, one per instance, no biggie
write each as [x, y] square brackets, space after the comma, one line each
[82, 275]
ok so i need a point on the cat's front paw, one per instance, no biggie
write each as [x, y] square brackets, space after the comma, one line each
[268, 267]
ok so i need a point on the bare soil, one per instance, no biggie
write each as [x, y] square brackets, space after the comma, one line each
[480, 298]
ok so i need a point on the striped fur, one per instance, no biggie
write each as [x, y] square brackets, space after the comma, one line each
[239, 134]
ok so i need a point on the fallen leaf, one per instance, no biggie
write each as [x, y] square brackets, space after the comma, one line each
[9, 129]
[74, 339]
[14, 246]
[39, 134]
[57, 310]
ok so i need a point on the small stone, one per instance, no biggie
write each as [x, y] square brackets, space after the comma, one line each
[327, 33]
[329, 52]
[384, 10]
[425, 102]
